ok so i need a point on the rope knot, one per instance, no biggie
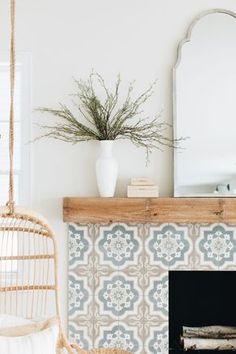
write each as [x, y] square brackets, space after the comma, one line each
[11, 207]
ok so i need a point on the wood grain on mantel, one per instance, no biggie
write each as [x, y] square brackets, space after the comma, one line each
[154, 210]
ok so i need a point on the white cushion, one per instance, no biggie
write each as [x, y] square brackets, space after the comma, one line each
[35, 343]
[12, 321]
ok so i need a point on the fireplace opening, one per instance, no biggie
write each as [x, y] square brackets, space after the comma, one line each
[202, 311]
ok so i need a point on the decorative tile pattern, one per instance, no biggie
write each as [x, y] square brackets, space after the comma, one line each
[217, 245]
[78, 295]
[119, 337]
[118, 295]
[158, 295]
[118, 278]
[78, 244]
[159, 341]
[118, 245]
[168, 245]
[77, 335]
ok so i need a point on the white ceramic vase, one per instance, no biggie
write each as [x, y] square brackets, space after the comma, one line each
[106, 169]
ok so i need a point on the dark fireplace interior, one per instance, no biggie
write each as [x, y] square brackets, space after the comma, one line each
[200, 298]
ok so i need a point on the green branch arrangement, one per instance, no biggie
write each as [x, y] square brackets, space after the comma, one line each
[108, 119]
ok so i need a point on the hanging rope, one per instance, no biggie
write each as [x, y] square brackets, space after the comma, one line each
[11, 203]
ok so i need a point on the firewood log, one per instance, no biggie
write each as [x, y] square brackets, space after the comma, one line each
[223, 332]
[208, 344]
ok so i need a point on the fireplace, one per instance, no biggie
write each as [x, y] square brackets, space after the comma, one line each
[199, 299]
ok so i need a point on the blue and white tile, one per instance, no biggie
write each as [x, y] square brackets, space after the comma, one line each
[118, 245]
[118, 288]
[106, 296]
[156, 296]
[169, 246]
[119, 336]
[216, 246]
[118, 295]
[78, 334]
[79, 295]
[80, 245]
[158, 342]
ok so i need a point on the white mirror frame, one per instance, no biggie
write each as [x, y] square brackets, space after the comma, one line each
[179, 55]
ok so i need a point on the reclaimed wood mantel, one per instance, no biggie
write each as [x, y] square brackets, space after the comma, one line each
[145, 210]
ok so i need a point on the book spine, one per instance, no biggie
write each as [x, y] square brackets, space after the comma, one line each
[142, 193]
[141, 182]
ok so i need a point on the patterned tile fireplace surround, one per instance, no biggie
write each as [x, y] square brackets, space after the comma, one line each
[118, 278]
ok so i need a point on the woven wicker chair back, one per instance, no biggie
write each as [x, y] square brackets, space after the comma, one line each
[27, 267]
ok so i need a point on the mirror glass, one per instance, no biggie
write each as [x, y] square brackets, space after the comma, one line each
[205, 107]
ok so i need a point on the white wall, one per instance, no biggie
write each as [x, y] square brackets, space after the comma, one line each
[67, 38]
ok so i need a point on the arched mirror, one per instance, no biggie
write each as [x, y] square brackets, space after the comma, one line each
[205, 107]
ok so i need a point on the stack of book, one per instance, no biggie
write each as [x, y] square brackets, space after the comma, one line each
[142, 188]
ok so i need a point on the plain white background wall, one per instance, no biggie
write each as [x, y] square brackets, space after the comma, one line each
[66, 39]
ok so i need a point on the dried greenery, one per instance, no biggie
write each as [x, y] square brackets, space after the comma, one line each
[108, 118]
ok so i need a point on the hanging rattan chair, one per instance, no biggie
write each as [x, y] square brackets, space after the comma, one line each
[28, 272]
[28, 256]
